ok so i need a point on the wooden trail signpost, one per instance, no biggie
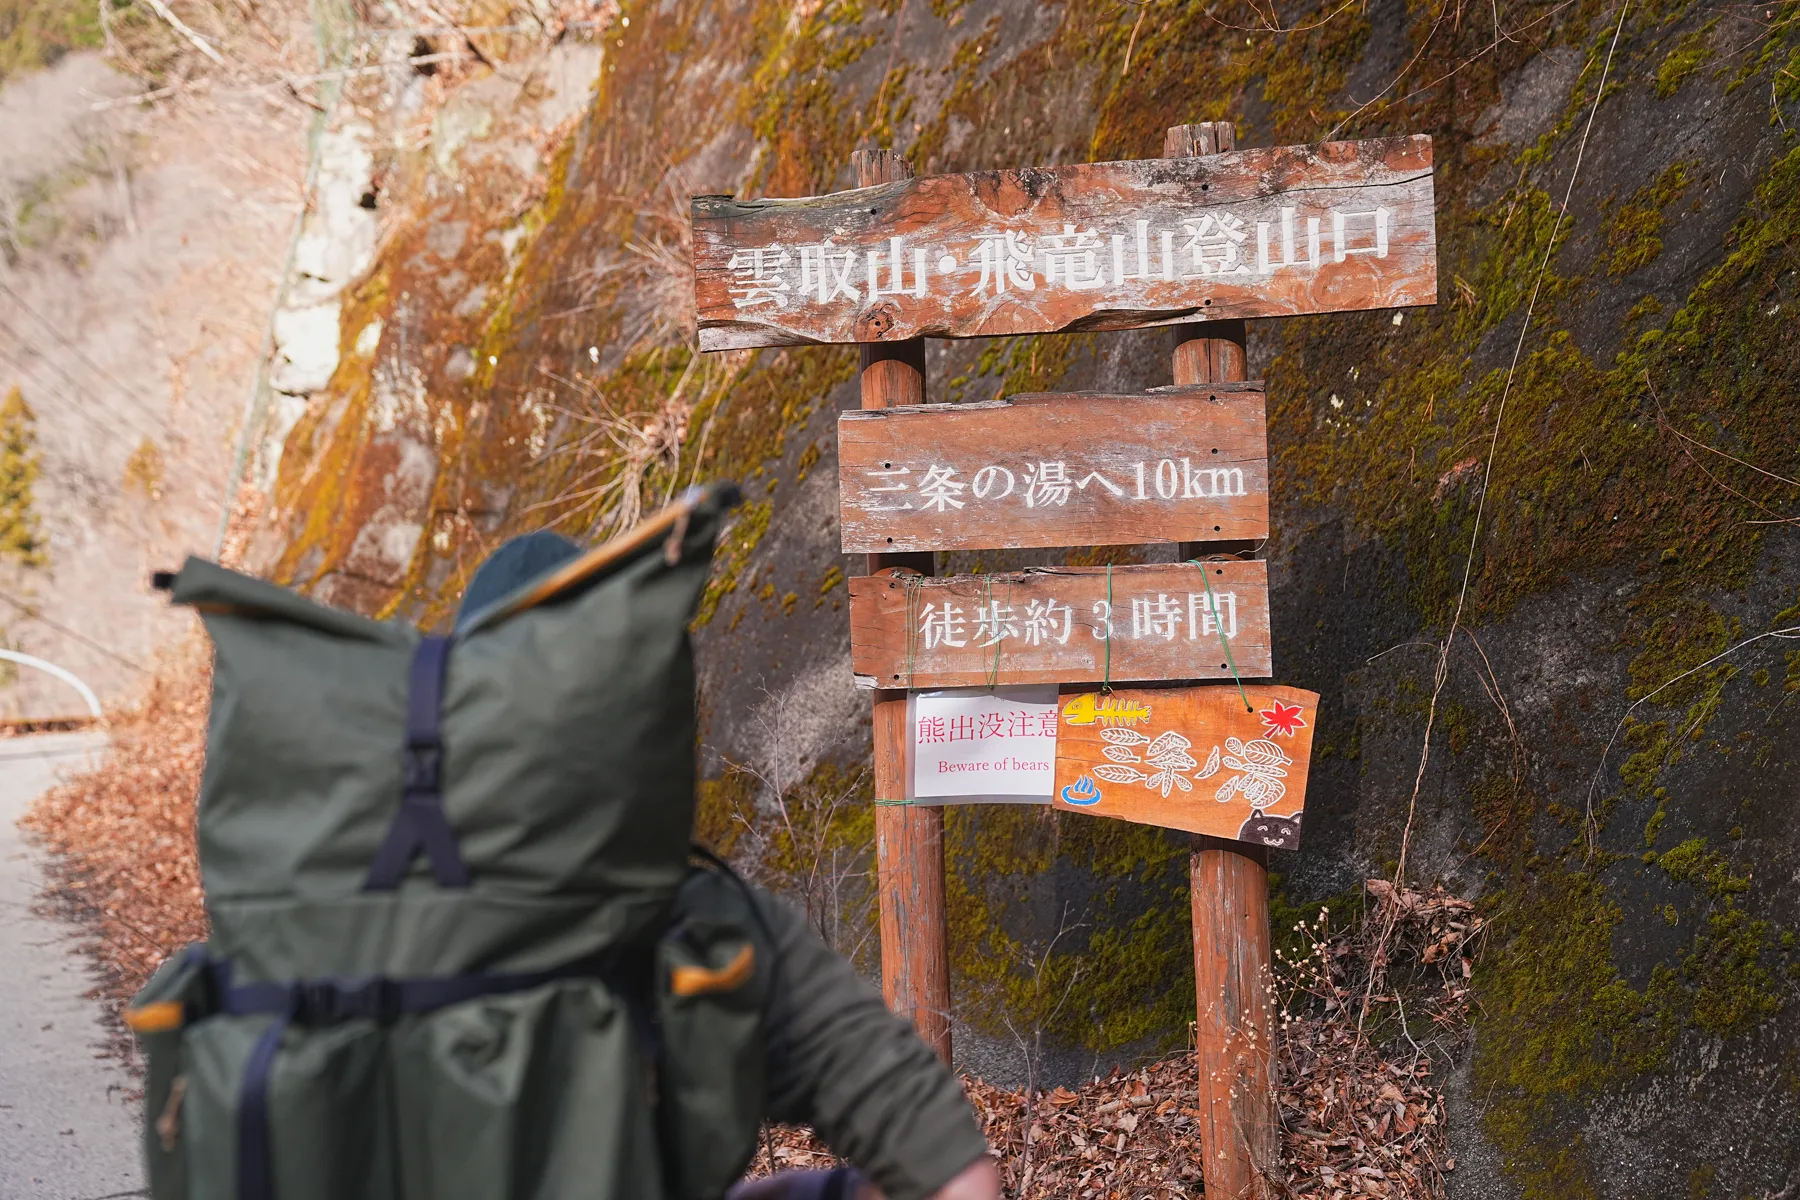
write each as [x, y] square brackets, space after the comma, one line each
[1199, 239]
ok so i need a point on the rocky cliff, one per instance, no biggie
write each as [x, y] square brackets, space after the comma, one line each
[1547, 531]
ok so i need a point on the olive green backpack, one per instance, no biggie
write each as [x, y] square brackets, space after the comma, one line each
[459, 949]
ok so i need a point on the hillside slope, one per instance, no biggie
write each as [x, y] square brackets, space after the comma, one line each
[1615, 744]
[142, 243]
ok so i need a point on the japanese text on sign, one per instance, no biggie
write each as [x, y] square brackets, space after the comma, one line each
[1206, 245]
[1177, 464]
[1047, 484]
[1164, 617]
[980, 727]
[1062, 625]
[983, 744]
[1333, 227]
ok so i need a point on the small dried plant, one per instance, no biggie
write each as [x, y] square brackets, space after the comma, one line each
[616, 452]
[807, 836]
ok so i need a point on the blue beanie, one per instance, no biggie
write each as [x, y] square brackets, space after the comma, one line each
[515, 564]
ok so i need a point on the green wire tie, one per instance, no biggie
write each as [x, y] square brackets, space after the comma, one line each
[993, 674]
[913, 591]
[1106, 675]
[1223, 640]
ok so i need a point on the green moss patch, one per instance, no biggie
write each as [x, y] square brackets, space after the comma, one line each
[1634, 229]
[1112, 970]
[1683, 59]
[1558, 1024]
[35, 33]
[22, 541]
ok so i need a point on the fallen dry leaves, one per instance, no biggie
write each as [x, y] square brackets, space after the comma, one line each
[1360, 1116]
[123, 834]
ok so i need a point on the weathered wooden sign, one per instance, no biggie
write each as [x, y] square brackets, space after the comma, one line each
[1069, 469]
[1061, 625]
[1253, 233]
[1192, 758]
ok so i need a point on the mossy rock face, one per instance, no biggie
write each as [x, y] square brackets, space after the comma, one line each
[1603, 406]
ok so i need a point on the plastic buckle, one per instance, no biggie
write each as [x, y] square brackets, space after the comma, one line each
[380, 1000]
[314, 1002]
[419, 770]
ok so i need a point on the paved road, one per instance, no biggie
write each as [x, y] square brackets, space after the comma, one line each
[66, 1132]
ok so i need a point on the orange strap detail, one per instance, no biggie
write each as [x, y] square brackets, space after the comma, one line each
[698, 981]
[156, 1018]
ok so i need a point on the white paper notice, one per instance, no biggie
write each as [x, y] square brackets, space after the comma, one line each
[984, 744]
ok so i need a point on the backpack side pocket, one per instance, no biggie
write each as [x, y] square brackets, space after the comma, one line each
[175, 997]
[712, 990]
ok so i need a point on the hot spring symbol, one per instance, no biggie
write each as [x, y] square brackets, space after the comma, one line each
[1081, 793]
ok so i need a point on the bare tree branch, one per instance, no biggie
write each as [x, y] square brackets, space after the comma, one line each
[179, 26]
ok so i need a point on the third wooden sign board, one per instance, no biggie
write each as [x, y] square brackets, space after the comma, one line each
[1062, 625]
[1069, 469]
[1332, 227]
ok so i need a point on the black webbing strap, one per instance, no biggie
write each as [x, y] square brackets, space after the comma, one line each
[378, 998]
[420, 824]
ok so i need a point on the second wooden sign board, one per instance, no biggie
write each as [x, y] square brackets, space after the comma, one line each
[1070, 469]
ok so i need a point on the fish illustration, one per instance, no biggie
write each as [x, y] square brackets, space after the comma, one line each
[1090, 707]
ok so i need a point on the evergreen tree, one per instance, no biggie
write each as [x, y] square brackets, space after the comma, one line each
[20, 539]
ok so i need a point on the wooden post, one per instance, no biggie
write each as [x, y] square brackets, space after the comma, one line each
[1229, 880]
[909, 841]
[1206, 351]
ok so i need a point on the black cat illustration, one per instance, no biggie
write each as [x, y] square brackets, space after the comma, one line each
[1281, 832]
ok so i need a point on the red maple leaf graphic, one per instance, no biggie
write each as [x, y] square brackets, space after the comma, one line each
[1282, 718]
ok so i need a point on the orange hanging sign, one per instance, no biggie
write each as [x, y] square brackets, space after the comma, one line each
[1193, 758]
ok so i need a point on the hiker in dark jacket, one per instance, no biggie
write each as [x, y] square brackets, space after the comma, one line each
[839, 1060]
[460, 945]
